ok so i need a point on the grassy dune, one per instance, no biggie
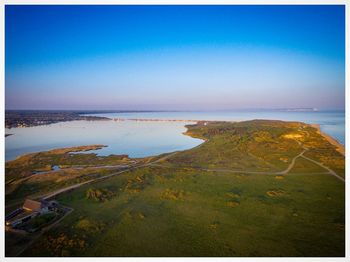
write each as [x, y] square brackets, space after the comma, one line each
[205, 201]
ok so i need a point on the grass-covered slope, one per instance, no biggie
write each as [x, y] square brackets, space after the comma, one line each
[258, 145]
[22, 179]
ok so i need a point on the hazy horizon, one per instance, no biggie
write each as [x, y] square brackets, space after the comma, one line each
[180, 110]
[169, 58]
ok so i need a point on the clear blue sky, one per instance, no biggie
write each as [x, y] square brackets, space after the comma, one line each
[174, 57]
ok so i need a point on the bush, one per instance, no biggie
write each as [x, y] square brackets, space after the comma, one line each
[100, 195]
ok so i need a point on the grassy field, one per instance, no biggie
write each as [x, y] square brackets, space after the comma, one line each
[223, 198]
[22, 181]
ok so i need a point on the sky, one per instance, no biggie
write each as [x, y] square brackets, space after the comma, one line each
[174, 57]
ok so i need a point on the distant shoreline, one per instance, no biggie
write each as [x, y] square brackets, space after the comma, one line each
[330, 139]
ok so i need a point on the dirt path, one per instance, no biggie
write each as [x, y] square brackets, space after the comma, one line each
[75, 186]
[284, 172]
[62, 190]
[330, 171]
[291, 165]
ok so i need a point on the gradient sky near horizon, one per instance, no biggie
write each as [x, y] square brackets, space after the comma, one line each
[174, 57]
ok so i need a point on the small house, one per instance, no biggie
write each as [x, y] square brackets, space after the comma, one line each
[29, 210]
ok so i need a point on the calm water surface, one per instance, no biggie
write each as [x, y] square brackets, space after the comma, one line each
[139, 139]
[331, 122]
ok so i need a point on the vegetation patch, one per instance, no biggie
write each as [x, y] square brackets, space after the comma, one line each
[233, 195]
[233, 203]
[171, 194]
[275, 193]
[214, 225]
[293, 136]
[100, 195]
[137, 184]
[89, 226]
[62, 244]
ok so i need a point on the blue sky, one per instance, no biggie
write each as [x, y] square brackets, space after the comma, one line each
[174, 57]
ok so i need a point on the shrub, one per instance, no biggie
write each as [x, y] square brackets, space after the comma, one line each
[100, 195]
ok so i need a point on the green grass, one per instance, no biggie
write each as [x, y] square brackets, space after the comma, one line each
[241, 146]
[303, 165]
[37, 185]
[306, 220]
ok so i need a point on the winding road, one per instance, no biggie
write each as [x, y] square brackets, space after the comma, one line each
[283, 172]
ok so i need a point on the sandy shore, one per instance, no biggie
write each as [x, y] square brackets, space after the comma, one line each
[333, 141]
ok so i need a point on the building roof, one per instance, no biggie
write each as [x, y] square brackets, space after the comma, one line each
[32, 205]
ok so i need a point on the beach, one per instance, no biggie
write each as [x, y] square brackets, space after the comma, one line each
[330, 139]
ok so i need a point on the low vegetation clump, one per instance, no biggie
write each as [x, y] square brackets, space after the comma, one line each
[233, 203]
[234, 198]
[89, 226]
[99, 195]
[62, 244]
[275, 193]
[135, 185]
[214, 225]
[172, 194]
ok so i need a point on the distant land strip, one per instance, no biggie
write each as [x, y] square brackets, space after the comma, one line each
[37, 118]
